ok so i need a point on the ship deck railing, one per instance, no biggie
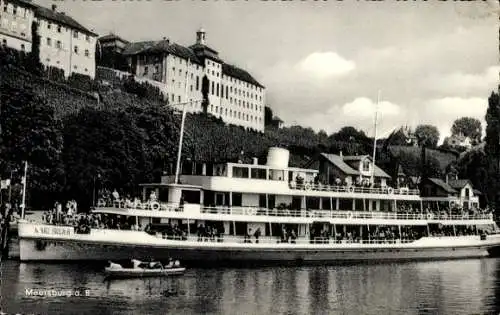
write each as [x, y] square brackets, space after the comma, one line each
[306, 213]
[354, 189]
[278, 240]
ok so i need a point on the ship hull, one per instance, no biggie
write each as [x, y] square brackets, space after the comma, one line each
[48, 250]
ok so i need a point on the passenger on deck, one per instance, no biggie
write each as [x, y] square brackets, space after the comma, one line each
[257, 235]
[116, 195]
[152, 196]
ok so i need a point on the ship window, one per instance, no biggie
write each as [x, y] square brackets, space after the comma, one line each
[276, 175]
[345, 204]
[240, 172]
[326, 203]
[237, 199]
[359, 204]
[258, 173]
[262, 201]
[312, 203]
[191, 196]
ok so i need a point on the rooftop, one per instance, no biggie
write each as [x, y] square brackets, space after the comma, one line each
[112, 36]
[339, 161]
[194, 53]
[459, 183]
[443, 185]
[59, 17]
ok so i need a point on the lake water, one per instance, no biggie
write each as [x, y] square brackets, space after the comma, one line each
[445, 287]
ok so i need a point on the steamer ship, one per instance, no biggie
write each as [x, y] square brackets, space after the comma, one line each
[273, 213]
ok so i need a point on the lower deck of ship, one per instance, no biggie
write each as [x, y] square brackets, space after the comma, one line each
[49, 250]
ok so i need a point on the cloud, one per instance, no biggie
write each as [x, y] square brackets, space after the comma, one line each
[443, 112]
[363, 107]
[463, 83]
[458, 107]
[326, 64]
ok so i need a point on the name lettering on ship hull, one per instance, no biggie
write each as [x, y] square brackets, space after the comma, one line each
[45, 230]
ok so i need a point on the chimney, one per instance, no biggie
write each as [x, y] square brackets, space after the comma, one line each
[167, 40]
[255, 161]
[341, 154]
[54, 7]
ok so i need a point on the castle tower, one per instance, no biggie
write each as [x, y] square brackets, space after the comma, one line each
[201, 36]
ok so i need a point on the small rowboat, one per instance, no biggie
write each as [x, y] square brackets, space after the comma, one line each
[140, 270]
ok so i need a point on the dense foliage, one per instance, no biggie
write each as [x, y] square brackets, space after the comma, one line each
[429, 135]
[468, 127]
[492, 150]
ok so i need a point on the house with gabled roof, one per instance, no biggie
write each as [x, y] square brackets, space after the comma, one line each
[459, 191]
[347, 170]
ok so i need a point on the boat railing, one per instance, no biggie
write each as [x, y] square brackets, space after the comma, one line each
[354, 189]
[304, 213]
[140, 205]
[337, 214]
[278, 240]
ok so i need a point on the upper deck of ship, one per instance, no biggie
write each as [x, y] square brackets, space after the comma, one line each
[332, 177]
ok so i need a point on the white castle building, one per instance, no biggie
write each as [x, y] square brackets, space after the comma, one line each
[64, 43]
[234, 95]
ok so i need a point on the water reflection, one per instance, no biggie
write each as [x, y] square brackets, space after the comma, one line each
[450, 287]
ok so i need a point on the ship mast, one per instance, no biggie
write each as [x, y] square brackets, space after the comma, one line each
[23, 201]
[372, 180]
[181, 136]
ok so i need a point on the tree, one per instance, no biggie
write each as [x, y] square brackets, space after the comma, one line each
[349, 133]
[468, 127]
[105, 143]
[428, 135]
[35, 66]
[32, 133]
[205, 87]
[492, 149]
[268, 116]
[473, 166]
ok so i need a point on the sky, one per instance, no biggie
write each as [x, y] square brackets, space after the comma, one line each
[325, 63]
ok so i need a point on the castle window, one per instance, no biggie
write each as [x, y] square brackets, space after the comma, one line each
[75, 34]
[86, 52]
[197, 83]
[48, 41]
[59, 29]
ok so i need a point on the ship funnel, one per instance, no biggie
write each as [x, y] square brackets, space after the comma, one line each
[278, 158]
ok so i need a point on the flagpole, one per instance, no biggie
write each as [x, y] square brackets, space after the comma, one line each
[10, 188]
[375, 141]
[181, 136]
[23, 202]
